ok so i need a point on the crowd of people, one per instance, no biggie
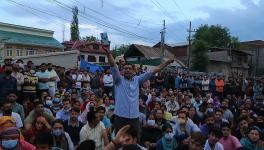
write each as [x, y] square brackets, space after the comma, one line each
[50, 107]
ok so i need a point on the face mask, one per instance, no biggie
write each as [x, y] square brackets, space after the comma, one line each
[57, 132]
[8, 72]
[168, 136]
[181, 121]
[151, 122]
[210, 110]
[67, 110]
[8, 112]
[9, 144]
[49, 103]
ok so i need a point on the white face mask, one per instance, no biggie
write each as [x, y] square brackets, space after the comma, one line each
[151, 122]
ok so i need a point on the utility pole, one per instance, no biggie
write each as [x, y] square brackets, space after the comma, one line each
[162, 40]
[63, 32]
[190, 44]
[102, 3]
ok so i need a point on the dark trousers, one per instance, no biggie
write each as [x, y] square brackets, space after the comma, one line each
[134, 125]
[108, 89]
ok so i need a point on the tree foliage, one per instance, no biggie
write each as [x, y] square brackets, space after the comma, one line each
[120, 50]
[216, 36]
[199, 56]
[75, 34]
[89, 38]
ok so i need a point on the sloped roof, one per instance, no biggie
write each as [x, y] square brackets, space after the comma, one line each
[27, 39]
[149, 52]
[153, 54]
[251, 44]
[82, 46]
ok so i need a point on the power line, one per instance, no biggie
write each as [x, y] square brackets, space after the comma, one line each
[128, 24]
[164, 11]
[103, 23]
[26, 6]
[178, 6]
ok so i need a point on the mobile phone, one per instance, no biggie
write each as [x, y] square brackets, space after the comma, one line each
[104, 39]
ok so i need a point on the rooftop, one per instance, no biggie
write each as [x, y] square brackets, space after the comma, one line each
[28, 39]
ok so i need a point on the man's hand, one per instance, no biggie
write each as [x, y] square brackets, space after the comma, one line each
[106, 48]
[109, 55]
[121, 135]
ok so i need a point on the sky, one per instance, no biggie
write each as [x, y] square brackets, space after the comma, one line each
[137, 21]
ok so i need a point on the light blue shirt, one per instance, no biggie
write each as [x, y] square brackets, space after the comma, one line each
[106, 122]
[42, 85]
[63, 115]
[127, 93]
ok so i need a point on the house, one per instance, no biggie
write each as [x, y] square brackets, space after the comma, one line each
[146, 55]
[180, 50]
[17, 41]
[228, 61]
[90, 51]
[256, 48]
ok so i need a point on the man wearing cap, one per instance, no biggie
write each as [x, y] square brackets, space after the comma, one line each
[7, 111]
[6, 122]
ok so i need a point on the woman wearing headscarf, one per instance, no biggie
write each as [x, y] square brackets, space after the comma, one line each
[252, 141]
[167, 142]
[11, 140]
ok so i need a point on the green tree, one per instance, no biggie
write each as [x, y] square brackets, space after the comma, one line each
[89, 38]
[75, 34]
[216, 36]
[206, 37]
[120, 50]
[199, 59]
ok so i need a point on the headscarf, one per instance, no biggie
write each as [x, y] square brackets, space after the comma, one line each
[10, 132]
[4, 119]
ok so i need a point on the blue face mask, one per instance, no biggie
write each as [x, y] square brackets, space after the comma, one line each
[8, 144]
[49, 103]
[168, 136]
[151, 122]
[57, 132]
[210, 110]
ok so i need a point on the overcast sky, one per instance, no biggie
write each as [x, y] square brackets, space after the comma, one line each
[138, 21]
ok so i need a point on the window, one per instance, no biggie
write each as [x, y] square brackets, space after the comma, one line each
[91, 58]
[49, 51]
[31, 52]
[101, 58]
[19, 52]
[9, 51]
[96, 47]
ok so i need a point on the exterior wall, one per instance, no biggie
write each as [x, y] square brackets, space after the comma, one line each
[66, 59]
[219, 67]
[256, 61]
[96, 56]
[180, 51]
[39, 50]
